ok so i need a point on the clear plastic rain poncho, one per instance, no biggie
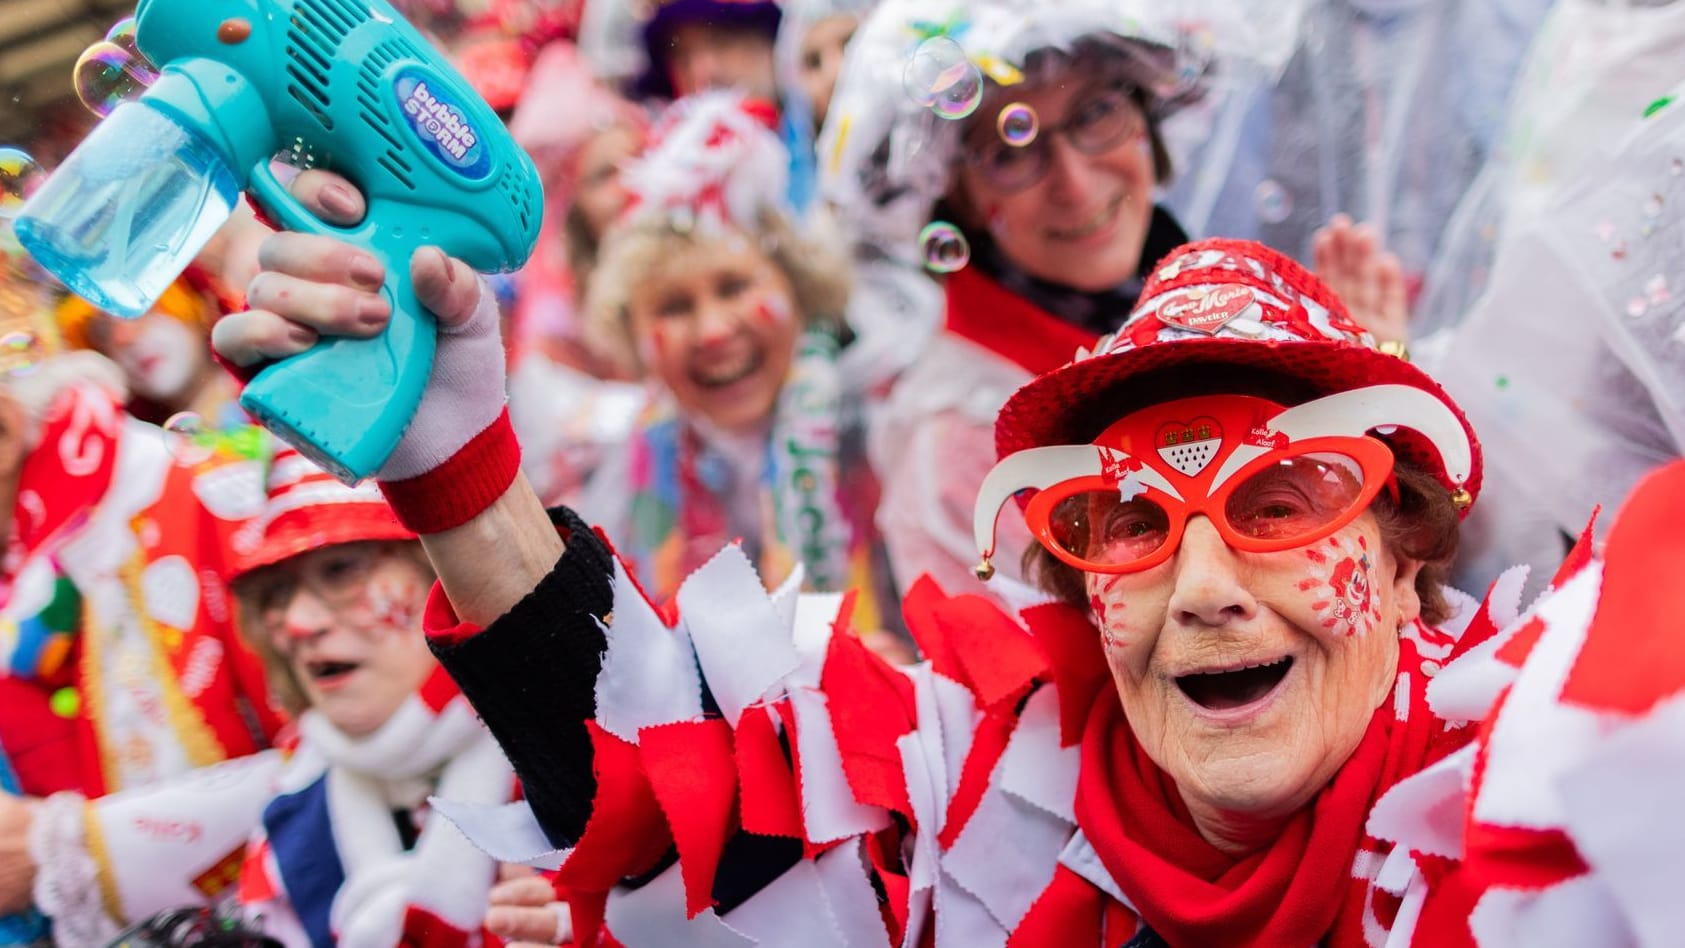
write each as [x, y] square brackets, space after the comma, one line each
[1386, 111]
[1556, 315]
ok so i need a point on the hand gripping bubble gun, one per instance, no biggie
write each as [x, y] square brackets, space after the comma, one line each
[341, 84]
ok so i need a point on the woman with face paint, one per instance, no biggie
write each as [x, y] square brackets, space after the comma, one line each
[1253, 716]
[350, 851]
[716, 291]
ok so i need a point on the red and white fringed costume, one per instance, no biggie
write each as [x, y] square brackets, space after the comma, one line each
[994, 796]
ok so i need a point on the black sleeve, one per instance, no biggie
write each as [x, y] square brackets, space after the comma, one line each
[532, 676]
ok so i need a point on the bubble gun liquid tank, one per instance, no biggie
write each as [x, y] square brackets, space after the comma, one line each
[352, 85]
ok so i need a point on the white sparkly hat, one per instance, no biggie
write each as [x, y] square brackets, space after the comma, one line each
[885, 157]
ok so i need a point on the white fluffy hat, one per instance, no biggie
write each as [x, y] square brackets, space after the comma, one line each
[713, 160]
[885, 158]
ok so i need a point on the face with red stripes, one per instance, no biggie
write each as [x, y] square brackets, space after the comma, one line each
[347, 621]
[1251, 677]
[716, 323]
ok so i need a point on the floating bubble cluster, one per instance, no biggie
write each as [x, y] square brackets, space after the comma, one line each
[945, 248]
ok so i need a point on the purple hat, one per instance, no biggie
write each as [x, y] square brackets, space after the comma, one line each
[760, 16]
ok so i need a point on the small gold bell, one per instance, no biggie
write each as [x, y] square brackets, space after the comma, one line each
[1461, 498]
[984, 569]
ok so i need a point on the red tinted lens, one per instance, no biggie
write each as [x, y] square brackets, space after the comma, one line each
[1100, 527]
[1295, 498]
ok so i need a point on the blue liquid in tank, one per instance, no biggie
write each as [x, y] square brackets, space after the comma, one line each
[128, 210]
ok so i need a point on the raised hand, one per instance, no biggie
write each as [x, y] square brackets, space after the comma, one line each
[1367, 278]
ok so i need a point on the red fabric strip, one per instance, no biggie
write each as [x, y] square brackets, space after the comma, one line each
[627, 832]
[1078, 663]
[1642, 566]
[1001, 659]
[871, 707]
[770, 803]
[1068, 912]
[693, 773]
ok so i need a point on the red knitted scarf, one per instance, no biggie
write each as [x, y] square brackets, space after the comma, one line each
[1301, 890]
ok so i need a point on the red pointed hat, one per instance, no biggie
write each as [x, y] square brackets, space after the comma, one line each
[308, 509]
[1224, 303]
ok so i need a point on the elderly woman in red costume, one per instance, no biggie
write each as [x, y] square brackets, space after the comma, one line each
[1256, 718]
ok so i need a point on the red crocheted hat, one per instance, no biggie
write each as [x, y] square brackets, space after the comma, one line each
[1223, 303]
[309, 509]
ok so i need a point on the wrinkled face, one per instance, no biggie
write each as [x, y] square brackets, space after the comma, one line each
[162, 357]
[347, 620]
[716, 323]
[598, 191]
[703, 57]
[820, 59]
[1083, 222]
[1250, 677]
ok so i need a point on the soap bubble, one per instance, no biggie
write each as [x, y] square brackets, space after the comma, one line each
[122, 35]
[945, 248]
[1018, 125]
[962, 98]
[107, 75]
[19, 174]
[189, 437]
[20, 353]
[941, 78]
[1272, 202]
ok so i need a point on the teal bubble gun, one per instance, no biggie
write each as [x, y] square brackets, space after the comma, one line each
[346, 85]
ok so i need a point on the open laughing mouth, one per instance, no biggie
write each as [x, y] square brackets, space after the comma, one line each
[1236, 687]
[329, 673]
[728, 372]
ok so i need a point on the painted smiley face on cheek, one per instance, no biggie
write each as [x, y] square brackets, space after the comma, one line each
[1106, 605]
[1342, 585]
[391, 605]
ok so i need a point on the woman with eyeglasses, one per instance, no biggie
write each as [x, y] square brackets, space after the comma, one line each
[1049, 184]
[1251, 716]
[350, 851]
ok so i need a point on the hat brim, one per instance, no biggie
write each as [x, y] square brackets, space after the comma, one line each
[1069, 404]
[283, 542]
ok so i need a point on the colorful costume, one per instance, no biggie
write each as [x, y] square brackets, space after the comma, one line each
[740, 771]
[124, 669]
